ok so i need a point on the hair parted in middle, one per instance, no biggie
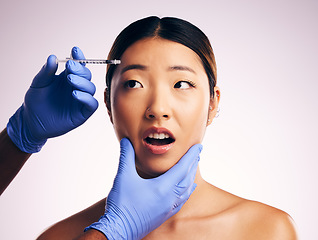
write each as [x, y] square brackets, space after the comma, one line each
[169, 28]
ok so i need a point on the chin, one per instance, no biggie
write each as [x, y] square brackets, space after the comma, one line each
[150, 165]
[153, 169]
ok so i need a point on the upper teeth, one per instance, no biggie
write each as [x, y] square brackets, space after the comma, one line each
[158, 135]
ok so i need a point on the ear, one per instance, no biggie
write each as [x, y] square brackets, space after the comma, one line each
[107, 102]
[214, 105]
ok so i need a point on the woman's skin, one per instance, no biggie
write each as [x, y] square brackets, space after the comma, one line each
[162, 86]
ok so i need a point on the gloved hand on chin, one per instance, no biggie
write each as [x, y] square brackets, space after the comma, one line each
[136, 206]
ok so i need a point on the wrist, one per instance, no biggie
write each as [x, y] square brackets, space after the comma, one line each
[92, 234]
[109, 227]
[17, 131]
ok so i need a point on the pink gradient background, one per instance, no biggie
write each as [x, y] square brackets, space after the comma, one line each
[263, 146]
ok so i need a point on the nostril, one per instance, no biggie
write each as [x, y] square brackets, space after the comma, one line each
[152, 115]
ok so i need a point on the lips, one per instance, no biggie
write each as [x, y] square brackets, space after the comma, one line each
[158, 140]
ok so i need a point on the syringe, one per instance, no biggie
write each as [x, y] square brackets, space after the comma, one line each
[92, 61]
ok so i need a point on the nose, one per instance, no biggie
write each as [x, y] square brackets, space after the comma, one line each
[159, 107]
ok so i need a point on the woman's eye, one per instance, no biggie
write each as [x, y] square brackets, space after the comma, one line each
[184, 85]
[133, 84]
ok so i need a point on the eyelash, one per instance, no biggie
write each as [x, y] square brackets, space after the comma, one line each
[127, 84]
[192, 84]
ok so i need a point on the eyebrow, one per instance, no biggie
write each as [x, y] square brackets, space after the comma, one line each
[181, 68]
[133, 66]
[143, 67]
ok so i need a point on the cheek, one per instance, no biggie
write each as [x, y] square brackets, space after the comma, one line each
[194, 119]
[126, 117]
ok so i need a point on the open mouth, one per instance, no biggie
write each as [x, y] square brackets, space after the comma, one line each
[159, 139]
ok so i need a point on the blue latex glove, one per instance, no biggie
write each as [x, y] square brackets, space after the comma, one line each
[136, 206]
[54, 104]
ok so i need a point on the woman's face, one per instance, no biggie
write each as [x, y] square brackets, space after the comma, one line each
[160, 101]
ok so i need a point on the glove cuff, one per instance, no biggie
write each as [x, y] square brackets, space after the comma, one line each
[16, 130]
[108, 227]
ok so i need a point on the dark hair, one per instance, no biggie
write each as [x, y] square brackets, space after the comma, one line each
[169, 28]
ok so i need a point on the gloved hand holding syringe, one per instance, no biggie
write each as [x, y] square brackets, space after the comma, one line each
[66, 102]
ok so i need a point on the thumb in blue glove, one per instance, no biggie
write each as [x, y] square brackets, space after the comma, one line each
[54, 104]
[136, 206]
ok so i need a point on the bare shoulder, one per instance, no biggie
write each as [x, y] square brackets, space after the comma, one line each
[74, 225]
[239, 218]
[264, 222]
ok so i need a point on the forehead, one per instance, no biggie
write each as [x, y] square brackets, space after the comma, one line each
[160, 53]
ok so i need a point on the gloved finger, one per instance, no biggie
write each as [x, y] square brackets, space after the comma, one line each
[76, 68]
[188, 181]
[127, 156]
[45, 76]
[90, 104]
[81, 84]
[178, 172]
[77, 54]
[182, 199]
